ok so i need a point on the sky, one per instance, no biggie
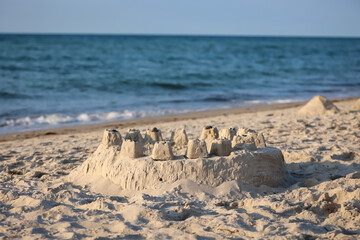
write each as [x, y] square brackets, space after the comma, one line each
[199, 17]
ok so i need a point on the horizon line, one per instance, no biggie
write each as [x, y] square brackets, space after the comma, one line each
[178, 35]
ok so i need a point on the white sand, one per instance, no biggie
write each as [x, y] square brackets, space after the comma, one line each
[322, 154]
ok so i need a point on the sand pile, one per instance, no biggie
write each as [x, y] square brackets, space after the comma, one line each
[356, 106]
[245, 159]
[318, 105]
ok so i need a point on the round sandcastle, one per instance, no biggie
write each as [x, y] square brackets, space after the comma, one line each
[138, 162]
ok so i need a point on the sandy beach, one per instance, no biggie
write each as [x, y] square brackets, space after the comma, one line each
[41, 197]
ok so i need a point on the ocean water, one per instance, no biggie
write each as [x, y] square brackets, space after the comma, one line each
[57, 80]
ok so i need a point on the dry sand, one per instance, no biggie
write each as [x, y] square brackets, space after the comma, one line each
[322, 155]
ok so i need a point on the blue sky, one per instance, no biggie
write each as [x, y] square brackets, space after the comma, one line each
[209, 17]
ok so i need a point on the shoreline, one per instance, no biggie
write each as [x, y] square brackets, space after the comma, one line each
[152, 120]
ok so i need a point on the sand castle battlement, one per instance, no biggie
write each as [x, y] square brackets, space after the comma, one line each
[137, 162]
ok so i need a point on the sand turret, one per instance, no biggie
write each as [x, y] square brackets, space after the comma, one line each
[162, 151]
[153, 135]
[131, 149]
[228, 133]
[244, 131]
[134, 135]
[220, 147]
[179, 137]
[243, 142]
[196, 149]
[209, 133]
[259, 139]
[111, 137]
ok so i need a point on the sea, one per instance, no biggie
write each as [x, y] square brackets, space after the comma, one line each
[51, 81]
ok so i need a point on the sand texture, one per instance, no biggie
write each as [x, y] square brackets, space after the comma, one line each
[356, 106]
[42, 197]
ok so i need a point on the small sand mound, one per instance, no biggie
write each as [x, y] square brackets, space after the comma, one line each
[318, 105]
[263, 166]
[356, 106]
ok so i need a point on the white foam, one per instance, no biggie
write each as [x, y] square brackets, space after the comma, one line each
[58, 119]
[257, 102]
[43, 121]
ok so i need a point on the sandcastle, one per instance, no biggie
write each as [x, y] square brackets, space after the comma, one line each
[238, 154]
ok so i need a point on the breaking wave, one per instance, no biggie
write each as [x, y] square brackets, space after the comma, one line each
[36, 122]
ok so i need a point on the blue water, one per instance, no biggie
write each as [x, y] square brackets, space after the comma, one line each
[57, 80]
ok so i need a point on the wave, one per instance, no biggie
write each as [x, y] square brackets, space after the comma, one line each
[15, 124]
[82, 118]
[172, 86]
[218, 99]
[57, 119]
[259, 102]
[9, 95]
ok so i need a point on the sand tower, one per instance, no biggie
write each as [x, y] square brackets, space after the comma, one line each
[153, 135]
[197, 149]
[179, 137]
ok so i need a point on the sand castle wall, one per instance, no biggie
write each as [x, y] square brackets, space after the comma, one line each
[263, 166]
[131, 170]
